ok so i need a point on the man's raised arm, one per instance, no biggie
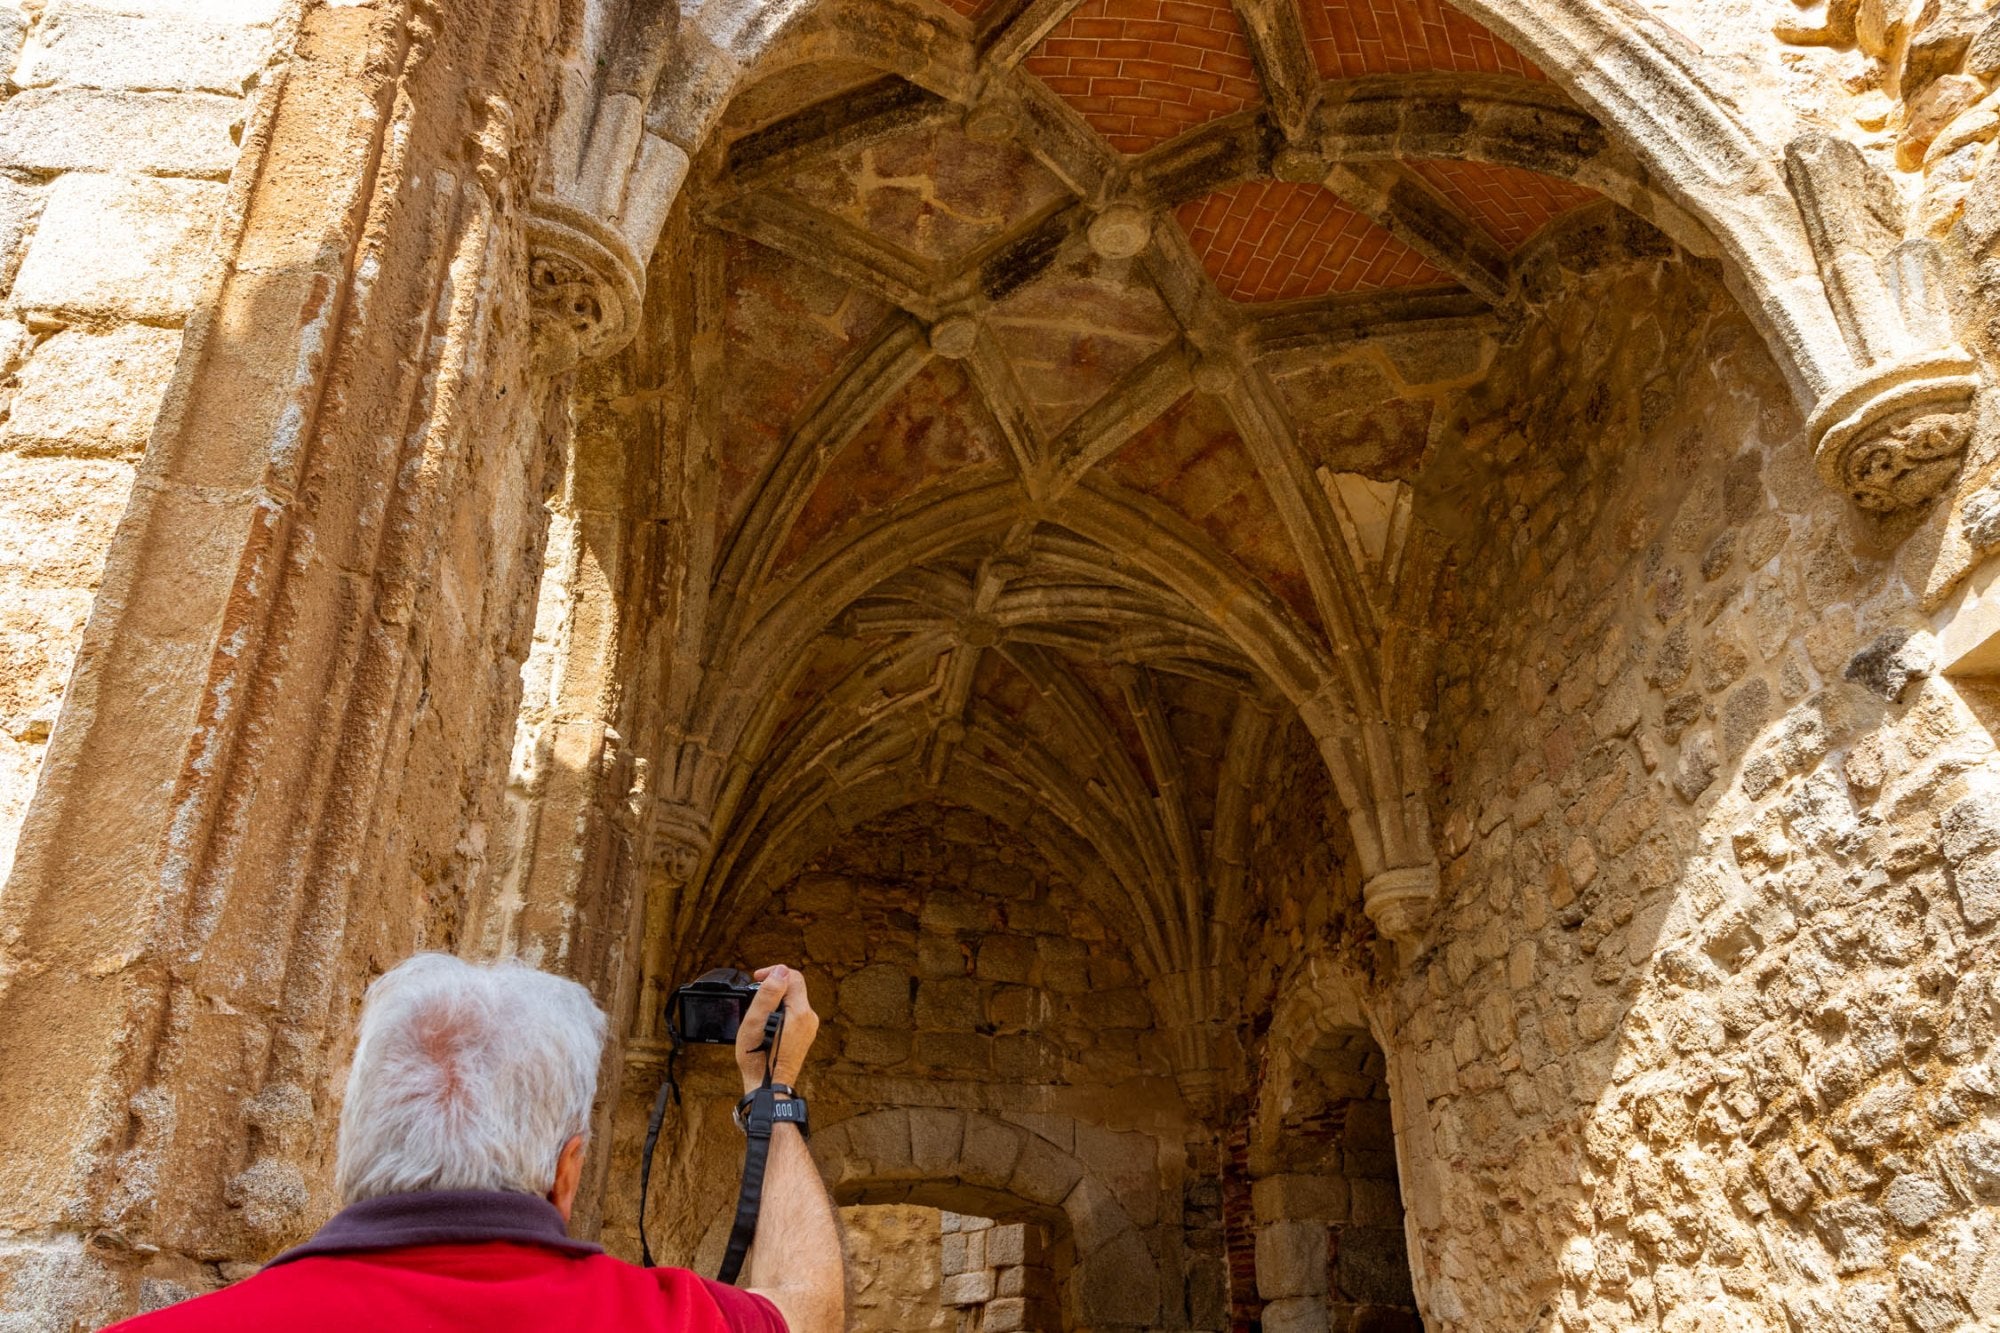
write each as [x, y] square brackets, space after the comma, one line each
[795, 1260]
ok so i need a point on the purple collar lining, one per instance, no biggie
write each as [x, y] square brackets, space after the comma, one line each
[440, 1217]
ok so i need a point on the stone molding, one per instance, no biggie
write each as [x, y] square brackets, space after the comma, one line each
[1893, 437]
[1399, 901]
[586, 284]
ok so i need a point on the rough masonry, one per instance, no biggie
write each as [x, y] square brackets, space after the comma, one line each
[1354, 639]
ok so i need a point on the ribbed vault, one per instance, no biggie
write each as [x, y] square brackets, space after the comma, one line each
[1064, 451]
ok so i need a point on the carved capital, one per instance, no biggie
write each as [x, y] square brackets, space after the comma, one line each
[1892, 438]
[678, 839]
[1399, 901]
[585, 285]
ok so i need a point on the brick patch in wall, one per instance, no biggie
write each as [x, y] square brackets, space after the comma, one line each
[1277, 241]
[1144, 71]
[1351, 38]
[1511, 204]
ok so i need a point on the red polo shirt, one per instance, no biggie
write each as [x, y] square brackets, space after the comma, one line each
[462, 1260]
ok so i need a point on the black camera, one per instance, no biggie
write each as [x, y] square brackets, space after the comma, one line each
[709, 1010]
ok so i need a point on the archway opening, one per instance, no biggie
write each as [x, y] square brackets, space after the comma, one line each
[929, 1270]
[1070, 528]
[1332, 1243]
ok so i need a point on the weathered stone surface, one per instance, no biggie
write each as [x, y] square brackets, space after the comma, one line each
[1888, 665]
[125, 247]
[877, 996]
[1085, 676]
[92, 394]
[20, 205]
[1297, 1314]
[1291, 1260]
[83, 45]
[178, 134]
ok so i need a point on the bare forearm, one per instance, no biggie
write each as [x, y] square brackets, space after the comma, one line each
[796, 1258]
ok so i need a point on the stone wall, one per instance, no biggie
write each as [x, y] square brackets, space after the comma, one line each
[957, 974]
[997, 1276]
[895, 1274]
[119, 126]
[947, 947]
[1704, 1026]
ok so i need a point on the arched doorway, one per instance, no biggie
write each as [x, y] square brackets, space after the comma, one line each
[1305, 507]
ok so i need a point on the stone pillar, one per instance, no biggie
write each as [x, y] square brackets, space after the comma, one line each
[271, 773]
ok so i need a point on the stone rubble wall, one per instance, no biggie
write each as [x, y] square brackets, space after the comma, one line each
[960, 976]
[1704, 1029]
[120, 122]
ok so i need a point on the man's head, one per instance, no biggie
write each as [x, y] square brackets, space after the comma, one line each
[469, 1077]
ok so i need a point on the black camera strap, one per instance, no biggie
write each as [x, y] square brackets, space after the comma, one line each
[653, 1122]
[758, 1114]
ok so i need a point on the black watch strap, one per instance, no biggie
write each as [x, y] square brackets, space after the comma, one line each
[761, 1111]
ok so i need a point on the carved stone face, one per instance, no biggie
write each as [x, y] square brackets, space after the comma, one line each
[568, 312]
[1907, 461]
[679, 861]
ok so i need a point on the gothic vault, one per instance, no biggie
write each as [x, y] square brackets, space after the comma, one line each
[1353, 639]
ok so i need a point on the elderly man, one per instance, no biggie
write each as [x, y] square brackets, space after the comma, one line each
[461, 1147]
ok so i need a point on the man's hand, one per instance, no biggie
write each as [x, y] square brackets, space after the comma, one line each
[786, 984]
[796, 1259]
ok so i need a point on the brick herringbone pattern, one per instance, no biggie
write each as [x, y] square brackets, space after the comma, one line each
[1510, 203]
[1143, 71]
[1350, 38]
[1274, 241]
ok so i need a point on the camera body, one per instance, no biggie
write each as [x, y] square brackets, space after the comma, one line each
[709, 1010]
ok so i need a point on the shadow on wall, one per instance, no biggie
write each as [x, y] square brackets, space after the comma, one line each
[1696, 1033]
[1330, 1249]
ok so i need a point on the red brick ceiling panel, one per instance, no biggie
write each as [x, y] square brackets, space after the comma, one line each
[1075, 333]
[1192, 459]
[1350, 38]
[1143, 71]
[1276, 241]
[934, 429]
[1511, 204]
[786, 325]
[934, 193]
[1349, 419]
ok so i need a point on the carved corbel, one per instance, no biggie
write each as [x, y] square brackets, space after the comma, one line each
[585, 284]
[1399, 901]
[1378, 769]
[1890, 437]
[1893, 438]
[678, 839]
[593, 223]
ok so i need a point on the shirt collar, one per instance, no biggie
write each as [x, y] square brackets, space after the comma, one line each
[441, 1217]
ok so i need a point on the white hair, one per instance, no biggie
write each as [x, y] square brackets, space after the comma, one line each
[466, 1077]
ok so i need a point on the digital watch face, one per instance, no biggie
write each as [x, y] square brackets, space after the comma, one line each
[711, 1018]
